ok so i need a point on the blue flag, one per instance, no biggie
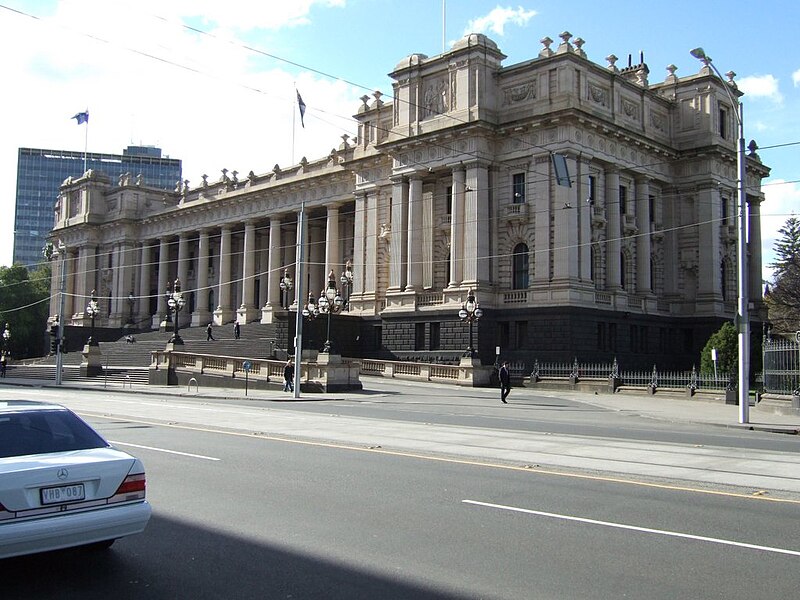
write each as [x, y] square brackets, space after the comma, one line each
[82, 117]
[300, 104]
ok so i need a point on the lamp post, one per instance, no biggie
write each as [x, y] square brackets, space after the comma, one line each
[6, 338]
[470, 313]
[92, 309]
[131, 302]
[286, 286]
[175, 302]
[742, 311]
[347, 283]
[310, 311]
[330, 302]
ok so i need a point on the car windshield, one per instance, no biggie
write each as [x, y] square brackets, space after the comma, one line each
[45, 431]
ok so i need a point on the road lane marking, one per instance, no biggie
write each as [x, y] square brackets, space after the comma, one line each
[164, 450]
[462, 461]
[677, 534]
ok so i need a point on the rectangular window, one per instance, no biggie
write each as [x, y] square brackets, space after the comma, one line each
[592, 189]
[449, 199]
[623, 200]
[723, 123]
[521, 334]
[724, 210]
[651, 203]
[435, 338]
[503, 334]
[419, 336]
[518, 188]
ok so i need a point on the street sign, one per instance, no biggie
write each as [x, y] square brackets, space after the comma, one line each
[247, 365]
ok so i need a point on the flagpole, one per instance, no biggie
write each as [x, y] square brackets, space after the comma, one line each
[85, 140]
[293, 118]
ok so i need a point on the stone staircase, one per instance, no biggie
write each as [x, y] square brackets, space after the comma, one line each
[124, 362]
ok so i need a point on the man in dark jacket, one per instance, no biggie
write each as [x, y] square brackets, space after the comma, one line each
[505, 382]
[288, 376]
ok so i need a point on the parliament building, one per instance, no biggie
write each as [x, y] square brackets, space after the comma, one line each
[590, 210]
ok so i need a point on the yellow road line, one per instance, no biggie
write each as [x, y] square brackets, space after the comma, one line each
[759, 495]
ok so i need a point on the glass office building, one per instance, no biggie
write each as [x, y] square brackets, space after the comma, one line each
[41, 172]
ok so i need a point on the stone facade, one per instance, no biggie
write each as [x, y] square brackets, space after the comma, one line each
[449, 187]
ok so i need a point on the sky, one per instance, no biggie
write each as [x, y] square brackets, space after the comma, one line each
[213, 83]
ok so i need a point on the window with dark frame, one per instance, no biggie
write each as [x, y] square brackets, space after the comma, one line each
[519, 267]
[518, 188]
[623, 200]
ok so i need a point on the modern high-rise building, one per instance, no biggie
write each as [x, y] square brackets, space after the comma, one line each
[41, 172]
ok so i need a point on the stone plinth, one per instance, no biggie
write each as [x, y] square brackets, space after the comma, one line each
[92, 363]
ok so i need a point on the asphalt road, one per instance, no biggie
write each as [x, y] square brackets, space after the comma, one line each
[245, 514]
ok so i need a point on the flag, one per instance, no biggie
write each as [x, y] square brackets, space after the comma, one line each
[82, 117]
[300, 104]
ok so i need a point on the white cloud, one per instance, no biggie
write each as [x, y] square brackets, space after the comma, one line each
[796, 78]
[761, 86]
[498, 18]
[782, 200]
[202, 99]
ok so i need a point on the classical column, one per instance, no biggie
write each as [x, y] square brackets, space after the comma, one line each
[201, 315]
[399, 240]
[126, 283]
[145, 272]
[584, 209]
[709, 279]
[359, 245]
[643, 219]
[163, 279]
[182, 273]
[69, 288]
[371, 259]
[332, 259]
[415, 238]
[543, 207]
[565, 234]
[613, 231]
[754, 275]
[224, 311]
[246, 312]
[477, 260]
[275, 267]
[457, 227]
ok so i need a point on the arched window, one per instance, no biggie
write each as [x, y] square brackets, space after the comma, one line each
[519, 267]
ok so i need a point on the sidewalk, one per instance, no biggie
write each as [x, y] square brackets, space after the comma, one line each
[769, 415]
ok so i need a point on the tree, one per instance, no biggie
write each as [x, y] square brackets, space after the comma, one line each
[726, 341]
[783, 299]
[24, 306]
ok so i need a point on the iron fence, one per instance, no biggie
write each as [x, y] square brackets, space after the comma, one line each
[781, 366]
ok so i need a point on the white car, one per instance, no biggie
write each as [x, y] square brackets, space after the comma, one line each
[62, 484]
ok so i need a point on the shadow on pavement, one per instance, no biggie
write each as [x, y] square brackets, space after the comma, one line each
[177, 560]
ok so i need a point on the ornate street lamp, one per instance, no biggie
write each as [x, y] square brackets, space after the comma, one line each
[742, 311]
[470, 313]
[347, 283]
[92, 309]
[286, 286]
[175, 302]
[131, 302]
[330, 302]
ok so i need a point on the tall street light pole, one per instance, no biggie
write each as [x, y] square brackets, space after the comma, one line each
[742, 311]
[330, 302]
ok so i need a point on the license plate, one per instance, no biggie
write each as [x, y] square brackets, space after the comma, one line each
[63, 493]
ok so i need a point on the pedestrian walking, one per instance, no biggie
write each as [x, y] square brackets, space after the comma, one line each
[288, 376]
[3, 360]
[209, 333]
[236, 330]
[505, 382]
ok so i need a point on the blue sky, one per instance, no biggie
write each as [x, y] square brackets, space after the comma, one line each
[224, 98]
